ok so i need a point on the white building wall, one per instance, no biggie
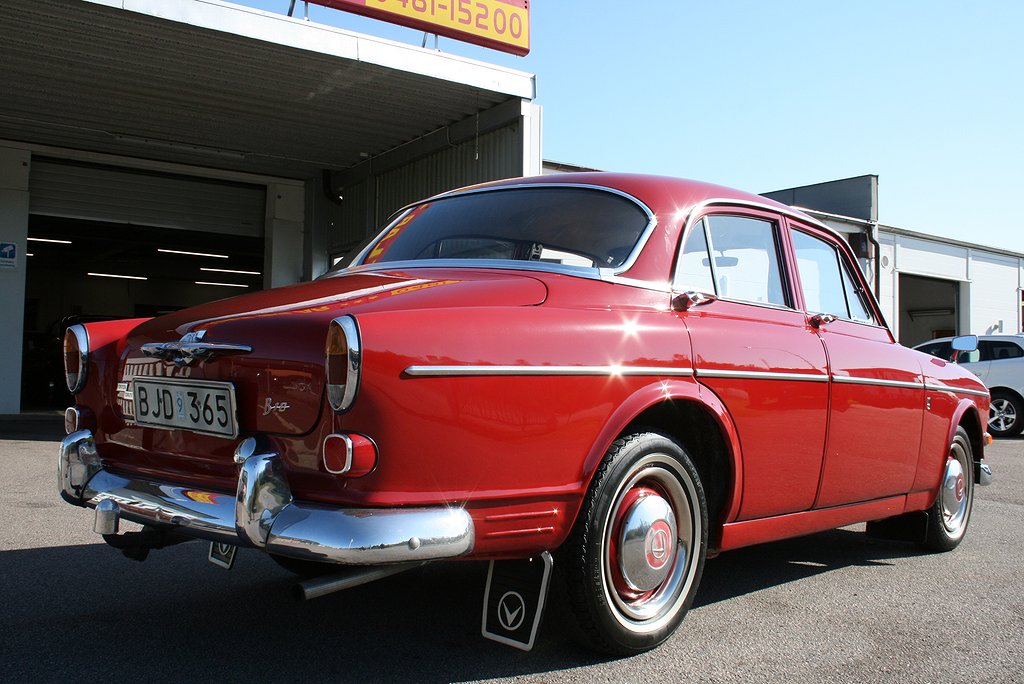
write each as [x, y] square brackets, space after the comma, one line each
[927, 258]
[990, 282]
[995, 298]
[888, 286]
[14, 174]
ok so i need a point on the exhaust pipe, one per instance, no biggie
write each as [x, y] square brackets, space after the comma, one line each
[321, 586]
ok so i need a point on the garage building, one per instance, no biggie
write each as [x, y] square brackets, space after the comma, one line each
[159, 153]
[927, 286]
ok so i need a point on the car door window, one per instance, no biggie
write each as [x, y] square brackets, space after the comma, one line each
[999, 351]
[735, 257]
[694, 269]
[828, 286]
[942, 350]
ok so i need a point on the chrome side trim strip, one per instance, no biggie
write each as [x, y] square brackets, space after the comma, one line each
[762, 375]
[846, 380]
[454, 371]
[955, 390]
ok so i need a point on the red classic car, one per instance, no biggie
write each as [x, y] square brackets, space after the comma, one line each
[624, 373]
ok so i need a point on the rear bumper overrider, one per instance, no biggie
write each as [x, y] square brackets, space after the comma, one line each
[262, 512]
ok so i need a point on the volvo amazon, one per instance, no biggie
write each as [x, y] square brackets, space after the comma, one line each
[594, 381]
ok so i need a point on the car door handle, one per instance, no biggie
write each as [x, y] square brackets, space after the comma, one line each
[690, 299]
[818, 320]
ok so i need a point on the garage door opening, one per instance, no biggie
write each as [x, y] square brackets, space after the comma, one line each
[928, 308]
[82, 271]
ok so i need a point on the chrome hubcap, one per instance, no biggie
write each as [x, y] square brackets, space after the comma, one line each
[650, 540]
[956, 492]
[647, 542]
[1001, 414]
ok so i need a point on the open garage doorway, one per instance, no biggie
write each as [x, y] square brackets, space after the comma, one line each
[84, 271]
[929, 308]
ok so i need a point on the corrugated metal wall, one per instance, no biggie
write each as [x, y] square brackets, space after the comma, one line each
[356, 221]
[500, 156]
[102, 193]
[368, 204]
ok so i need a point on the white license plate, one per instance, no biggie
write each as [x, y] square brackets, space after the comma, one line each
[196, 405]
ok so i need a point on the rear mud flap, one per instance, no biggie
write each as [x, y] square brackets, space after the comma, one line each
[514, 600]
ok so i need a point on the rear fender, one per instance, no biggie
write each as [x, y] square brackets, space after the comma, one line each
[658, 393]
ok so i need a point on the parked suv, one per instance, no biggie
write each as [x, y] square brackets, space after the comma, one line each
[999, 363]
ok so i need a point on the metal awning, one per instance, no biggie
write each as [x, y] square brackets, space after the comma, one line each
[213, 84]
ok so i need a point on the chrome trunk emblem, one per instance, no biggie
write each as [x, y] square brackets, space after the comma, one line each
[191, 347]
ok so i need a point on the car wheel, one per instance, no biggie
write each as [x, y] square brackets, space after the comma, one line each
[634, 559]
[949, 516]
[1005, 415]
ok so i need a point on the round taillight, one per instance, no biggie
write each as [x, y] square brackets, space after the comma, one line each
[76, 357]
[343, 362]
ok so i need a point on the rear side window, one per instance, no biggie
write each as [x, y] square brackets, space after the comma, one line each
[828, 286]
[998, 350]
[556, 225]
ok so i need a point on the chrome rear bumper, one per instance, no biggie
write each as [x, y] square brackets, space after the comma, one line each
[262, 513]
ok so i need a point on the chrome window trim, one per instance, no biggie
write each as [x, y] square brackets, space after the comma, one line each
[955, 390]
[878, 382]
[696, 213]
[844, 267]
[762, 375]
[593, 272]
[696, 210]
[82, 338]
[477, 370]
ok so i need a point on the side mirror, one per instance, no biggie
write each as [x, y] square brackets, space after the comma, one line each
[964, 343]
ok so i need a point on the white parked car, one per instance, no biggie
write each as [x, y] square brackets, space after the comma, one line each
[999, 363]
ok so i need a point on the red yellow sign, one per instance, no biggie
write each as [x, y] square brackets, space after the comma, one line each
[499, 24]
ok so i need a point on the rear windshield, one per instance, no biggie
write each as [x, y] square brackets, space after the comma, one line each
[557, 225]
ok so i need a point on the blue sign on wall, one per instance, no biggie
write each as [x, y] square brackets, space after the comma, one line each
[8, 255]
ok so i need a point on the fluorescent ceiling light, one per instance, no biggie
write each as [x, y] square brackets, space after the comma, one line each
[115, 275]
[29, 254]
[58, 242]
[202, 254]
[203, 282]
[228, 270]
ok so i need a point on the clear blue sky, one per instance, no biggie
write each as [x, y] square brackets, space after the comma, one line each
[927, 94]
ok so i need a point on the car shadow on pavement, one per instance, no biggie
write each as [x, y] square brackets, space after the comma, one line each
[32, 428]
[751, 569]
[85, 612]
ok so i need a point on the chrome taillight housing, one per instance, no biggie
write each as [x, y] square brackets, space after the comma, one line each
[76, 357]
[344, 359]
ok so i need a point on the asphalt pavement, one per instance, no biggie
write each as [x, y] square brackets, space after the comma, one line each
[833, 607]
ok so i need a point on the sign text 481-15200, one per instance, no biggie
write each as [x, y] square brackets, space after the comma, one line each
[199, 406]
[499, 24]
